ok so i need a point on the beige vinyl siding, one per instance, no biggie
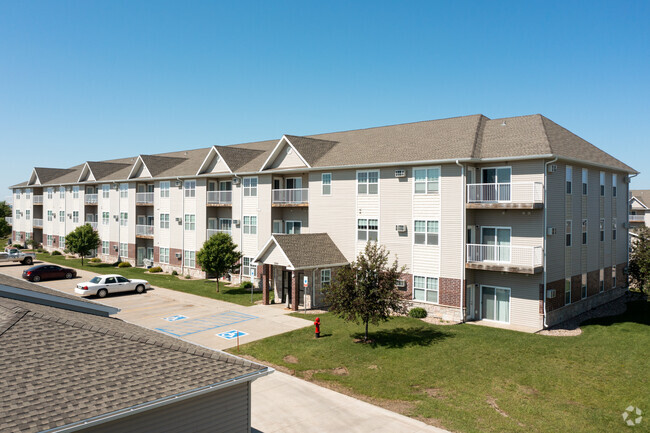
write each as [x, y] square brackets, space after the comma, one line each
[264, 223]
[621, 212]
[287, 158]
[451, 221]
[395, 208]
[526, 226]
[556, 217]
[216, 164]
[250, 207]
[577, 199]
[426, 207]
[274, 255]
[593, 214]
[200, 203]
[190, 208]
[225, 410]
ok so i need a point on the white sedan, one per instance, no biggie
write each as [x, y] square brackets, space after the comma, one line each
[105, 284]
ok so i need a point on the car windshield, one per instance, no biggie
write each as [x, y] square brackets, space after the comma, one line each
[95, 280]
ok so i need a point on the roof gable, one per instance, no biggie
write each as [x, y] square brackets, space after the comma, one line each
[86, 174]
[285, 155]
[641, 205]
[139, 169]
[44, 175]
[303, 251]
[214, 163]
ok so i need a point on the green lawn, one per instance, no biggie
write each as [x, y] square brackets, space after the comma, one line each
[205, 288]
[471, 378]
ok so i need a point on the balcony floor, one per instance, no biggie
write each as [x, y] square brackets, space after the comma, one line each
[504, 267]
[505, 205]
[219, 204]
[290, 205]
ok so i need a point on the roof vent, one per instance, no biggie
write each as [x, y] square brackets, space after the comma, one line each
[503, 123]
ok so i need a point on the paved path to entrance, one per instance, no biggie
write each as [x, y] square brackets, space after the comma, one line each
[280, 403]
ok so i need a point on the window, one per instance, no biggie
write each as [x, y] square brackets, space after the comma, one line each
[61, 216]
[567, 291]
[190, 222]
[189, 258]
[28, 191]
[124, 190]
[62, 242]
[247, 268]
[75, 216]
[250, 187]
[50, 240]
[614, 182]
[61, 192]
[105, 218]
[124, 218]
[613, 276]
[585, 175]
[368, 182]
[602, 281]
[124, 249]
[50, 193]
[584, 232]
[17, 214]
[164, 255]
[567, 232]
[277, 227]
[106, 248]
[293, 227]
[614, 229]
[583, 287]
[250, 225]
[190, 188]
[27, 214]
[602, 230]
[325, 277]
[28, 236]
[426, 180]
[426, 232]
[425, 289]
[602, 183]
[367, 229]
[164, 220]
[164, 189]
[50, 215]
[105, 190]
[326, 180]
[569, 179]
[75, 192]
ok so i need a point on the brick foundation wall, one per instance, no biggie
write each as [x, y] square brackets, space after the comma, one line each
[558, 300]
[407, 293]
[576, 283]
[156, 254]
[621, 280]
[449, 292]
[608, 278]
[593, 283]
[131, 251]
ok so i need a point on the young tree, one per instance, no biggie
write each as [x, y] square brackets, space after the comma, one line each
[82, 241]
[5, 211]
[365, 290]
[218, 255]
[640, 259]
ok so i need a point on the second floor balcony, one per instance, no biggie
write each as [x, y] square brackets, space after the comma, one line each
[9, 220]
[212, 232]
[38, 222]
[38, 199]
[90, 198]
[144, 198]
[518, 195]
[219, 198]
[144, 230]
[290, 197]
[505, 258]
[637, 218]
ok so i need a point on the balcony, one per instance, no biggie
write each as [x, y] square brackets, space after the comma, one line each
[38, 199]
[90, 198]
[212, 232]
[505, 258]
[515, 195]
[93, 224]
[144, 198]
[219, 198]
[637, 218]
[9, 220]
[290, 197]
[38, 222]
[144, 231]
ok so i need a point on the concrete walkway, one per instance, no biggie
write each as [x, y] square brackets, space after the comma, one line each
[280, 403]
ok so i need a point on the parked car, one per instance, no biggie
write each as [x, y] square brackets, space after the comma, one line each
[15, 255]
[48, 272]
[104, 284]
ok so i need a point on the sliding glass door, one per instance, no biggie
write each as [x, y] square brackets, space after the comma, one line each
[496, 243]
[495, 304]
[499, 180]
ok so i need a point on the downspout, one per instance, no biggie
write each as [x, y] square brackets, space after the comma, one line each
[463, 240]
[241, 226]
[545, 228]
[183, 227]
[627, 221]
[119, 220]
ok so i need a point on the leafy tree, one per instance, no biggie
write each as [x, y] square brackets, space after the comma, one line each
[640, 259]
[365, 290]
[218, 255]
[82, 241]
[5, 211]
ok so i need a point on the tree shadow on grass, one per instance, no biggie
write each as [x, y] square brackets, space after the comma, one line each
[402, 337]
[638, 311]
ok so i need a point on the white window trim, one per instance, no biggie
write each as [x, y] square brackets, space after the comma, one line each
[565, 292]
[189, 189]
[584, 232]
[568, 179]
[585, 182]
[356, 233]
[250, 188]
[323, 184]
[281, 227]
[426, 233]
[244, 225]
[329, 278]
[426, 189]
[160, 256]
[187, 221]
[570, 222]
[286, 225]
[356, 183]
[164, 187]
[425, 289]
[509, 303]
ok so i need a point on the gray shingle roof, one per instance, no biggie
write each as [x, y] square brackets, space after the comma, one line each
[642, 194]
[102, 170]
[59, 367]
[310, 250]
[238, 157]
[312, 149]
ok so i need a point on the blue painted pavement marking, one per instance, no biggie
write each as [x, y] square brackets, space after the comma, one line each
[192, 326]
[229, 335]
[175, 318]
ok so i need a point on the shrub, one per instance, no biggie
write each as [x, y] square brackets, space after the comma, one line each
[187, 277]
[17, 246]
[56, 253]
[155, 269]
[246, 285]
[174, 273]
[124, 265]
[418, 313]
[95, 260]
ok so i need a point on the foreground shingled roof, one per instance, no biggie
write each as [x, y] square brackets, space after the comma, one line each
[59, 367]
[310, 250]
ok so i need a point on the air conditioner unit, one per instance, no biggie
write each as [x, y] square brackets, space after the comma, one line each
[550, 293]
[115, 247]
[400, 173]
[400, 228]
[178, 255]
[179, 220]
[400, 284]
[551, 231]
[552, 168]
[236, 222]
[178, 183]
[236, 181]
[69, 215]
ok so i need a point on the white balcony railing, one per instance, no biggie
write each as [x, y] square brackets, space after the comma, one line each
[637, 218]
[505, 254]
[291, 196]
[144, 230]
[219, 197]
[93, 224]
[90, 198]
[144, 197]
[212, 232]
[515, 192]
[9, 220]
[38, 199]
[38, 222]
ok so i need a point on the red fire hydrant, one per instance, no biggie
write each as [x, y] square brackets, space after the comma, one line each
[317, 327]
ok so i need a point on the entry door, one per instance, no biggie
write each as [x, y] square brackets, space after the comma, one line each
[142, 220]
[286, 287]
[150, 253]
[496, 244]
[142, 188]
[212, 186]
[495, 304]
[90, 190]
[140, 255]
[150, 187]
[212, 224]
[225, 186]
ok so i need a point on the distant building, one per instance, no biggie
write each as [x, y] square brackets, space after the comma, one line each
[639, 208]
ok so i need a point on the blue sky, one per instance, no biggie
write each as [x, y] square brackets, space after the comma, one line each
[88, 80]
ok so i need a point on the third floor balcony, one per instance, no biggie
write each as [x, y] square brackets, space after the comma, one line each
[219, 198]
[90, 198]
[290, 197]
[513, 195]
[144, 198]
[38, 199]
[637, 218]
[144, 230]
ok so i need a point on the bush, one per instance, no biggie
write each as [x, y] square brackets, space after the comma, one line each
[418, 313]
[124, 265]
[17, 246]
[56, 253]
[155, 269]
[187, 277]
[95, 260]
[174, 273]
[246, 285]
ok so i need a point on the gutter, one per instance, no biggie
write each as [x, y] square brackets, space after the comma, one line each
[463, 240]
[627, 222]
[545, 228]
[122, 413]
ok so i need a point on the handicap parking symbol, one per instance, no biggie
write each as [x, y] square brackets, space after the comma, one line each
[175, 318]
[229, 335]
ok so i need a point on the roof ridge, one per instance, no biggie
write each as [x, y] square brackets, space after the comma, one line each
[17, 313]
[478, 137]
[548, 140]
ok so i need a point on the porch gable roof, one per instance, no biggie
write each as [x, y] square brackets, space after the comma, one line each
[303, 251]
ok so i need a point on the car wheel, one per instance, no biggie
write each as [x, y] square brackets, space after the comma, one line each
[36, 278]
[102, 293]
[139, 288]
[68, 275]
[28, 261]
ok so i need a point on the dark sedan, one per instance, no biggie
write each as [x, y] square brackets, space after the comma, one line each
[48, 272]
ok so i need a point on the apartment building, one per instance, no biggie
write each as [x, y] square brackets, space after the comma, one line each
[639, 208]
[516, 222]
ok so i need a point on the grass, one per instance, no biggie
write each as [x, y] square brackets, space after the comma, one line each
[205, 288]
[471, 378]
